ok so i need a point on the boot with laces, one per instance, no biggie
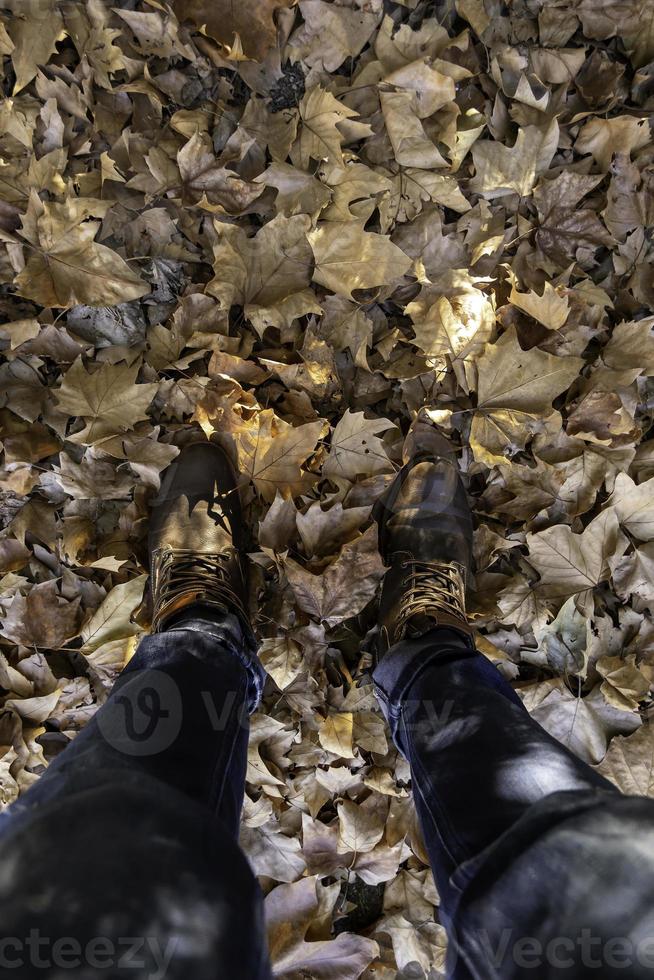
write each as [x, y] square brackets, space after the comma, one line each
[425, 539]
[196, 540]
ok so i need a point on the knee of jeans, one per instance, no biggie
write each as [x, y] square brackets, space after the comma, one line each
[465, 674]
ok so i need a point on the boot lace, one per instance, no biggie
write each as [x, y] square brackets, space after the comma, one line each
[435, 589]
[181, 577]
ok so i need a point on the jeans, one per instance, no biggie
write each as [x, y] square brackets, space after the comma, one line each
[125, 853]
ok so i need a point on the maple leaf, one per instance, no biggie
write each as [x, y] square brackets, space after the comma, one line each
[43, 618]
[267, 274]
[336, 734]
[456, 325]
[500, 170]
[271, 853]
[282, 658]
[34, 33]
[515, 390]
[65, 266]
[290, 909]
[330, 33]
[631, 345]
[109, 400]
[112, 619]
[601, 136]
[356, 448]
[345, 587]
[551, 308]
[629, 763]
[203, 174]
[347, 257]
[634, 505]
[319, 137]
[361, 827]
[324, 530]
[272, 453]
[569, 563]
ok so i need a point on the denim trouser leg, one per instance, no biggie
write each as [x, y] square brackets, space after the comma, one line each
[124, 853]
[527, 843]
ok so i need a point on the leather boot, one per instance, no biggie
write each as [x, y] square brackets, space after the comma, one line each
[425, 539]
[196, 538]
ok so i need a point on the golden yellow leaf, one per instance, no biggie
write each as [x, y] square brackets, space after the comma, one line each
[335, 734]
[272, 452]
[551, 308]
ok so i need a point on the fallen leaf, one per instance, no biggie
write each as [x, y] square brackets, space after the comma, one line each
[360, 827]
[113, 619]
[571, 564]
[109, 400]
[65, 266]
[345, 587]
[249, 25]
[349, 258]
[515, 391]
[502, 170]
[356, 449]
[272, 455]
[43, 618]
[629, 763]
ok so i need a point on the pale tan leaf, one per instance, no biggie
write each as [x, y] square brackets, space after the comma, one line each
[347, 257]
[356, 449]
[113, 619]
[109, 400]
[65, 266]
[629, 763]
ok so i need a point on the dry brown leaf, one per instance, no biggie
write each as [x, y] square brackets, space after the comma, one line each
[356, 449]
[629, 763]
[65, 266]
[273, 453]
[514, 395]
[43, 618]
[345, 587]
[348, 258]
[109, 400]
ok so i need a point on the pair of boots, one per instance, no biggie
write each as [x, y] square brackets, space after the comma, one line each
[197, 543]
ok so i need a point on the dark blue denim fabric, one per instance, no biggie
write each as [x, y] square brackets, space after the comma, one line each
[127, 844]
[131, 833]
[544, 869]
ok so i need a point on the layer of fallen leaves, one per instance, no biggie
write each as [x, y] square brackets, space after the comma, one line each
[294, 227]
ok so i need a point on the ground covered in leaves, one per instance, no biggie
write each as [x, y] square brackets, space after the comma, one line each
[295, 239]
